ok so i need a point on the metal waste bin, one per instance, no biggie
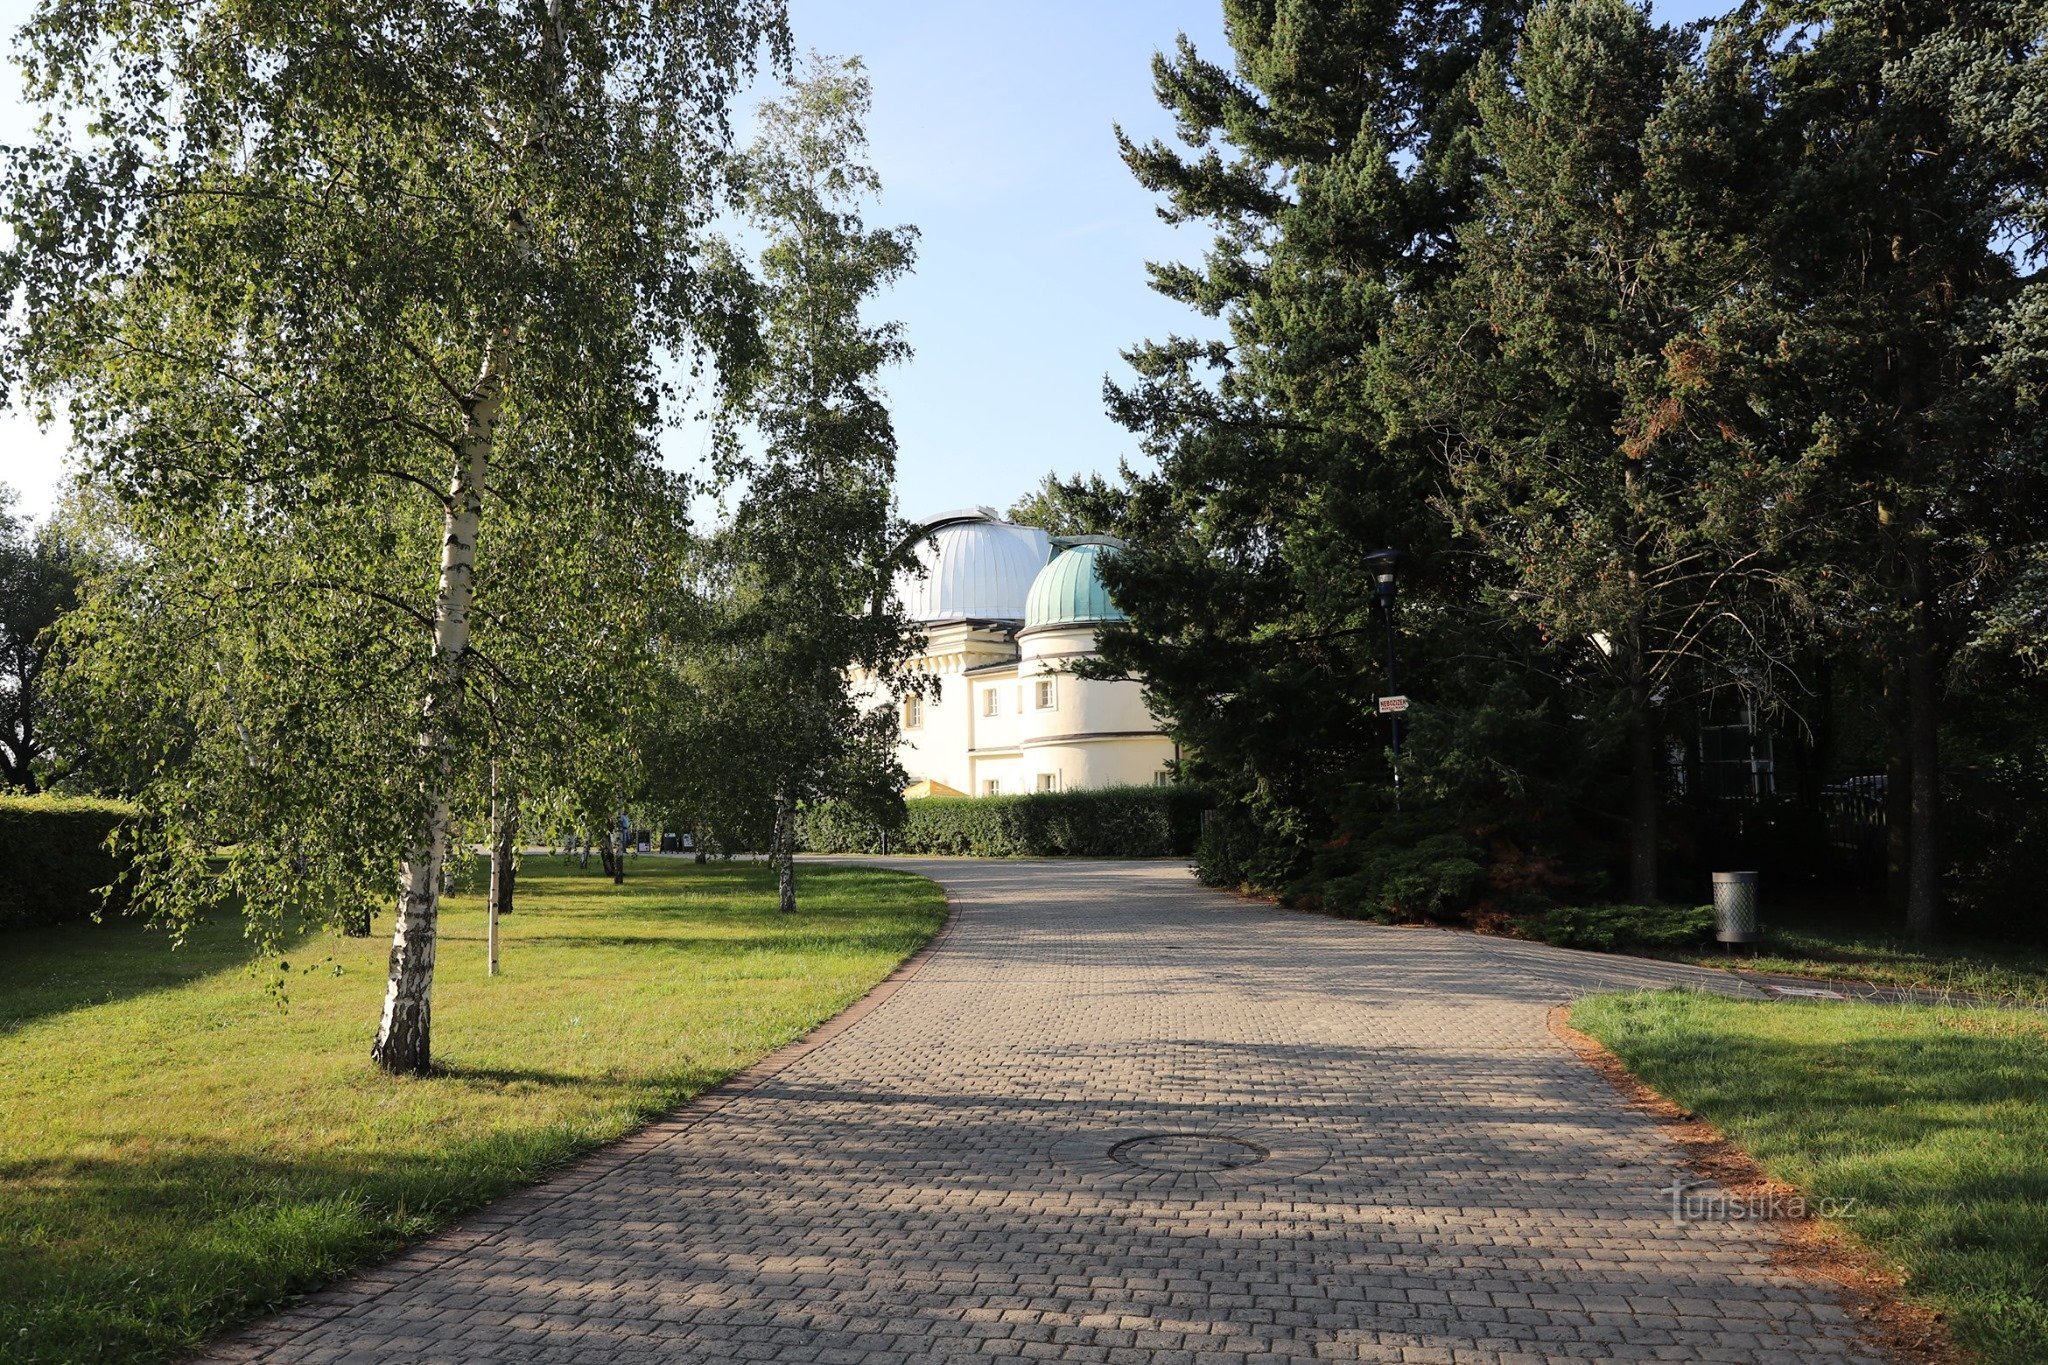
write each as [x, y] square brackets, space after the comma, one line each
[1735, 919]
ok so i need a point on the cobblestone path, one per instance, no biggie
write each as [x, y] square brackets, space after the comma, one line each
[1115, 1117]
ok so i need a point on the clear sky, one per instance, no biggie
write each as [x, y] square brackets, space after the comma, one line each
[992, 129]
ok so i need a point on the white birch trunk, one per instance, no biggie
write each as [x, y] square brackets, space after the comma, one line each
[404, 1038]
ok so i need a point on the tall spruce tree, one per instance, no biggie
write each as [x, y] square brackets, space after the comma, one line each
[1334, 165]
[334, 300]
[1551, 374]
[1894, 354]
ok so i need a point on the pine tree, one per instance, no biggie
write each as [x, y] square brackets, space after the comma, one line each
[1893, 355]
[1334, 165]
[1553, 373]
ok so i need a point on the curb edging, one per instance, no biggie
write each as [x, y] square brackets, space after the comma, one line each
[488, 1221]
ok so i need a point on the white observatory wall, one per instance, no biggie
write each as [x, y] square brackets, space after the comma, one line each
[1096, 734]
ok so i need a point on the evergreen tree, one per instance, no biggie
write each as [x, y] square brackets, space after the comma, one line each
[1334, 164]
[1086, 504]
[1894, 353]
[1552, 373]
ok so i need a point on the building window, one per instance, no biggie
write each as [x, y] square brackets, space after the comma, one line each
[1048, 782]
[991, 786]
[991, 701]
[1162, 778]
[1047, 697]
[913, 712]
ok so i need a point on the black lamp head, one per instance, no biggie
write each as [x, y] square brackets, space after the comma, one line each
[1386, 571]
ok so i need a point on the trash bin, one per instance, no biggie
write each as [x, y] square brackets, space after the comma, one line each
[1735, 918]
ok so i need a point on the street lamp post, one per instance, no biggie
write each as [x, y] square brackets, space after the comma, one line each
[1386, 567]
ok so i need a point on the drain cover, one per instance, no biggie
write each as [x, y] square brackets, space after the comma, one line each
[1186, 1152]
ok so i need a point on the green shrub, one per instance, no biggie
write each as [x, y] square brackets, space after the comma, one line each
[1226, 848]
[53, 857]
[1113, 822]
[1438, 876]
[1616, 928]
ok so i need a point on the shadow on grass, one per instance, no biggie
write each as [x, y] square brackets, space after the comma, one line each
[146, 1254]
[54, 969]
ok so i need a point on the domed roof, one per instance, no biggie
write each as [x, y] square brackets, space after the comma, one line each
[1069, 590]
[981, 568]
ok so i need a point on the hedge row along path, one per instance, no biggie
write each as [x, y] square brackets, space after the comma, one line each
[1115, 1117]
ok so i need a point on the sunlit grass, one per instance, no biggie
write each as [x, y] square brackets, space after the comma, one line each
[1934, 1120]
[178, 1153]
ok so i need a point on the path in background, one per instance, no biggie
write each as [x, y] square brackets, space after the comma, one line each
[1116, 1117]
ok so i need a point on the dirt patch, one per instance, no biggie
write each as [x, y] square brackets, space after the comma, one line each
[1806, 1245]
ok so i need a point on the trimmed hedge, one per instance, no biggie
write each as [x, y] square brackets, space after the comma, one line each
[1113, 822]
[53, 857]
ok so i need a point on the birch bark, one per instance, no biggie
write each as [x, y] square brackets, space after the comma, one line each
[404, 1037]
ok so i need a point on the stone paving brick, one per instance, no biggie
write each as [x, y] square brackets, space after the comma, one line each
[1016, 1156]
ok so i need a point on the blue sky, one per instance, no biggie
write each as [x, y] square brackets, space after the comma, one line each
[992, 129]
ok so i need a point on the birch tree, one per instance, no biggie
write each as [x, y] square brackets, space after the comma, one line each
[814, 544]
[333, 299]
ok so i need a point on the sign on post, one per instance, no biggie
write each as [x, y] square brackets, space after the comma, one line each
[1392, 705]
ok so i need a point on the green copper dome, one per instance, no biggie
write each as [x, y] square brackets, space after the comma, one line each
[1069, 590]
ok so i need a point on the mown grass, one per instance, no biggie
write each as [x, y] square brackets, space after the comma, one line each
[1934, 1120]
[179, 1154]
[1836, 951]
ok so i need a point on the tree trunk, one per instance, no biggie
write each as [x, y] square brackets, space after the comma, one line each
[504, 843]
[404, 1037]
[1898, 781]
[1645, 798]
[504, 839]
[785, 853]
[618, 869]
[1923, 877]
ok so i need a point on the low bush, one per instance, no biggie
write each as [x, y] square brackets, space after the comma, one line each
[1617, 928]
[1114, 822]
[53, 857]
[1437, 877]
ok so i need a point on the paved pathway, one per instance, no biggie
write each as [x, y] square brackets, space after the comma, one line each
[1115, 1117]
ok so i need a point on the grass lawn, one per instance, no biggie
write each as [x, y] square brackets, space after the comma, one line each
[178, 1153]
[1934, 1120]
[1846, 950]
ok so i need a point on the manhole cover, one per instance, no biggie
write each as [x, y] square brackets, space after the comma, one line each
[1186, 1152]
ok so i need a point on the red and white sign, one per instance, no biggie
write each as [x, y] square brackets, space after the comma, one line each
[1391, 705]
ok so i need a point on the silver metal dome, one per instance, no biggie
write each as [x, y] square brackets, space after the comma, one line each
[981, 569]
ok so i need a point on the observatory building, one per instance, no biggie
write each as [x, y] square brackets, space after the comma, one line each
[1007, 611]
